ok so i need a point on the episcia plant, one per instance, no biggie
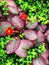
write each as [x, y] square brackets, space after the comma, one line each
[32, 53]
[23, 37]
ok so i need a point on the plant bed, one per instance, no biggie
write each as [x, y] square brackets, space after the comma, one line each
[24, 32]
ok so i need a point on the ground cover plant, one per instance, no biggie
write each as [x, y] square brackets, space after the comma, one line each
[24, 32]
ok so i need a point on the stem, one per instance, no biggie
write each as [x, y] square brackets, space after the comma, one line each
[15, 31]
